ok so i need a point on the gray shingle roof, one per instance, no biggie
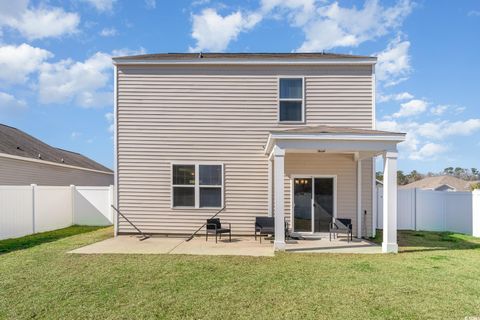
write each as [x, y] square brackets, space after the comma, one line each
[438, 181]
[18, 143]
[241, 56]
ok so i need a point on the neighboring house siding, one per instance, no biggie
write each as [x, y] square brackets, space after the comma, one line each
[19, 172]
[223, 114]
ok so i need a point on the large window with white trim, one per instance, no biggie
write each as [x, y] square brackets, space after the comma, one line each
[290, 99]
[197, 185]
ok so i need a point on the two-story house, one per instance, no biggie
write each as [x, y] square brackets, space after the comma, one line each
[291, 135]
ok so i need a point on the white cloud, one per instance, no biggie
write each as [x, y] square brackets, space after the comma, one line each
[75, 134]
[298, 12]
[9, 102]
[411, 108]
[426, 138]
[393, 65]
[37, 23]
[151, 4]
[335, 26]
[108, 32]
[439, 110]
[429, 151]
[83, 83]
[110, 118]
[214, 32]
[102, 5]
[325, 26]
[18, 62]
[396, 97]
[474, 13]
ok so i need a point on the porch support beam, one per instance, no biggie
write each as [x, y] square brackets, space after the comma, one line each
[389, 244]
[279, 164]
[359, 199]
[270, 187]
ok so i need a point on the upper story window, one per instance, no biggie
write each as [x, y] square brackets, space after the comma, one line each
[291, 102]
[197, 185]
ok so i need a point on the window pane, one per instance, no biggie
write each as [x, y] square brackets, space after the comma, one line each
[210, 175]
[184, 174]
[210, 197]
[291, 89]
[183, 196]
[290, 111]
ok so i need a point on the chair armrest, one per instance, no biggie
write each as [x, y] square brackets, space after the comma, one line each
[229, 225]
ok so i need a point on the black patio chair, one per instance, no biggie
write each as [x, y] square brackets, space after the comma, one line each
[265, 226]
[214, 226]
[341, 225]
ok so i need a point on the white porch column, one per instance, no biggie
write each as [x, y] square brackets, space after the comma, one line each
[270, 187]
[279, 156]
[359, 199]
[389, 243]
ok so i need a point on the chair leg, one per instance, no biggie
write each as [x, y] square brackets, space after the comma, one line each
[206, 236]
[255, 235]
[216, 238]
[220, 236]
[230, 234]
[330, 235]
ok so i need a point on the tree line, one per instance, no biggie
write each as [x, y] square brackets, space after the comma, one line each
[403, 178]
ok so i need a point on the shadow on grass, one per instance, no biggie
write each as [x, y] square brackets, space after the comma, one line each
[33, 240]
[418, 241]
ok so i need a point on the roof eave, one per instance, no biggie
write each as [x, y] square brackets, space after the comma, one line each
[331, 61]
[272, 137]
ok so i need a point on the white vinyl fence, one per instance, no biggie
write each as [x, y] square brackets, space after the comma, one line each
[30, 209]
[430, 210]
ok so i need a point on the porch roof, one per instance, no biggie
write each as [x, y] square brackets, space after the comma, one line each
[334, 138]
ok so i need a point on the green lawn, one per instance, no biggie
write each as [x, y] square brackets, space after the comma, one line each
[437, 275]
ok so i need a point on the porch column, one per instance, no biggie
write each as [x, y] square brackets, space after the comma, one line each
[279, 156]
[359, 199]
[389, 244]
[270, 187]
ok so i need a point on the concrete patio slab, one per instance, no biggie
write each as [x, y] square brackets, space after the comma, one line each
[323, 245]
[240, 246]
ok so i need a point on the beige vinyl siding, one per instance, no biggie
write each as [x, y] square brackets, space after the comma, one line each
[220, 114]
[19, 172]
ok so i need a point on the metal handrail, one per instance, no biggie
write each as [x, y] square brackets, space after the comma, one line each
[144, 236]
[203, 225]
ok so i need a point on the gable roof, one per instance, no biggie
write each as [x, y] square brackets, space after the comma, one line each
[18, 143]
[438, 181]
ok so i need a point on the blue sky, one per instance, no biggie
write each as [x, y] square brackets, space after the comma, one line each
[56, 72]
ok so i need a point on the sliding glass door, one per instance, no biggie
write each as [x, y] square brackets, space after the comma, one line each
[313, 203]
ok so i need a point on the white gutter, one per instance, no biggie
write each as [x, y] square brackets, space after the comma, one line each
[232, 61]
[9, 156]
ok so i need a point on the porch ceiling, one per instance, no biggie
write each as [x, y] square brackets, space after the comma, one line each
[334, 139]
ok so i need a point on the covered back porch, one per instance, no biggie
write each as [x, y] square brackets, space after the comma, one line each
[320, 173]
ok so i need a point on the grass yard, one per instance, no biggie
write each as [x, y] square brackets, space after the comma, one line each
[437, 276]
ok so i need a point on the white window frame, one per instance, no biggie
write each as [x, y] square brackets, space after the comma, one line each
[288, 99]
[197, 184]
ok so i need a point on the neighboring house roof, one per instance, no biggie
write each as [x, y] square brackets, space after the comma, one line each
[439, 182]
[18, 143]
[336, 130]
[242, 56]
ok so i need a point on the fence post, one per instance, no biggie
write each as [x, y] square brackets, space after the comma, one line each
[476, 213]
[72, 195]
[33, 206]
